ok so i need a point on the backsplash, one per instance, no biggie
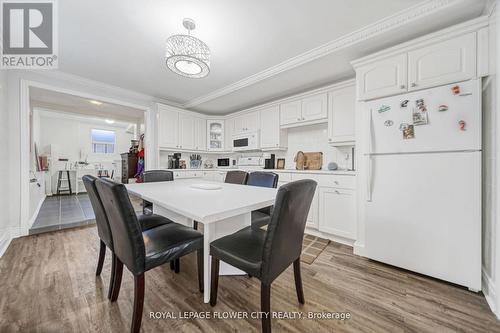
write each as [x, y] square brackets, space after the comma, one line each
[314, 138]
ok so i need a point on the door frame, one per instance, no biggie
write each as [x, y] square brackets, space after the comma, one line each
[24, 136]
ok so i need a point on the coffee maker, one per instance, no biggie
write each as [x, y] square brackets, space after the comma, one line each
[269, 161]
[176, 160]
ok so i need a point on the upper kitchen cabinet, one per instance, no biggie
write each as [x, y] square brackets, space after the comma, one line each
[271, 136]
[382, 78]
[455, 54]
[308, 110]
[228, 131]
[186, 131]
[215, 135]
[200, 134]
[168, 126]
[341, 115]
[450, 61]
[247, 122]
[314, 107]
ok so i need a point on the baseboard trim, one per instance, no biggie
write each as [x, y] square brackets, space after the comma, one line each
[5, 239]
[359, 249]
[489, 292]
[33, 217]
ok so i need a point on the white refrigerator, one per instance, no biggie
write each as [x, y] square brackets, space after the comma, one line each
[423, 183]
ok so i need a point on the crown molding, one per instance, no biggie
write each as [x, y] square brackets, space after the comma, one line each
[382, 26]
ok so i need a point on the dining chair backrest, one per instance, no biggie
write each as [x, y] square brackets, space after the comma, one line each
[236, 177]
[125, 229]
[285, 232]
[101, 220]
[263, 179]
[151, 176]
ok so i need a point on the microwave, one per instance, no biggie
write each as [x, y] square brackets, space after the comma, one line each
[226, 163]
[246, 141]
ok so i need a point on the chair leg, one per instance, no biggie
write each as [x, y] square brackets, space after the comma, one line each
[199, 259]
[112, 276]
[215, 281]
[138, 303]
[177, 265]
[298, 281]
[100, 261]
[265, 307]
[117, 281]
[172, 265]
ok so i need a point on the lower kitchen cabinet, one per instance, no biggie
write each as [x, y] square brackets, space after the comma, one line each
[337, 211]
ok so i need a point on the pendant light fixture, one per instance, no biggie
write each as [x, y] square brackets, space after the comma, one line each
[187, 55]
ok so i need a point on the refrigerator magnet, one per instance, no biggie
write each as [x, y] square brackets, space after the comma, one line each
[388, 123]
[421, 105]
[455, 90]
[404, 103]
[409, 133]
[383, 108]
[403, 126]
[420, 118]
[443, 108]
[461, 125]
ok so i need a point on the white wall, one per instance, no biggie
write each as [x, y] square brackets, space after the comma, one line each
[490, 211]
[4, 171]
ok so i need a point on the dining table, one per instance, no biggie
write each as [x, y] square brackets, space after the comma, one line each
[221, 208]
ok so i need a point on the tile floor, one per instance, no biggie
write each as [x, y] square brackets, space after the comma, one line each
[67, 211]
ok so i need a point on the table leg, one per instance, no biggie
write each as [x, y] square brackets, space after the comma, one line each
[207, 229]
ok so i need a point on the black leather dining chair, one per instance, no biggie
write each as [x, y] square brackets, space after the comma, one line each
[262, 216]
[265, 254]
[104, 230]
[140, 250]
[236, 177]
[151, 176]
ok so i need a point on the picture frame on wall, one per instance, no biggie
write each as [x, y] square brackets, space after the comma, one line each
[280, 164]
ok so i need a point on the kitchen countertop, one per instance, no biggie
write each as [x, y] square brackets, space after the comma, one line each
[323, 172]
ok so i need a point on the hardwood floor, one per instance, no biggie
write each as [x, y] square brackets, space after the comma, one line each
[48, 284]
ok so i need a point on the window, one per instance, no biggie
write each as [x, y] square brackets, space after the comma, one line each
[103, 142]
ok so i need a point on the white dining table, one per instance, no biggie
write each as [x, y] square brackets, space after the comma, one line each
[222, 211]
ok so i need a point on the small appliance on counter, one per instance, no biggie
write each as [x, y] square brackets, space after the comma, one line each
[175, 160]
[226, 163]
[269, 161]
[251, 163]
[195, 161]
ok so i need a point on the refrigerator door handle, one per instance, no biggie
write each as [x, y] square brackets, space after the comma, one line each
[369, 176]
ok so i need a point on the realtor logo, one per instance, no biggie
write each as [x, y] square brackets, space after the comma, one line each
[29, 36]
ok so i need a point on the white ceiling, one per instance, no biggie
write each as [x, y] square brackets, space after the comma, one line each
[123, 43]
[52, 100]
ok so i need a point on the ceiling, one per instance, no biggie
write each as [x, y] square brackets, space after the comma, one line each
[52, 100]
[261, 49]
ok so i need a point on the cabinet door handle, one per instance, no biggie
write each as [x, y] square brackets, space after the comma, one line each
[337, 192]
[298, 119]
[330, 140]
[402, 86]
[413, 84]
[336, 182]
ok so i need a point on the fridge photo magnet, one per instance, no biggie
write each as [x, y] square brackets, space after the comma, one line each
[388, 123]
[383, 108]
[443, 108]
[420, 104]
[420, 118]
[455, 90]
[409, 132]
[404, 103]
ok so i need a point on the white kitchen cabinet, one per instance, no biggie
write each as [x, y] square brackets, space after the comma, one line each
[271, 135]
[215, 135]
[200, 134]
[168, 127]
[306, 110]
[337, 211]
[314, 107]
[442, 63]
[247, 122]
[290, 112]
[228, 131]
[186, 131]
[341, 114]
[384, 77]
